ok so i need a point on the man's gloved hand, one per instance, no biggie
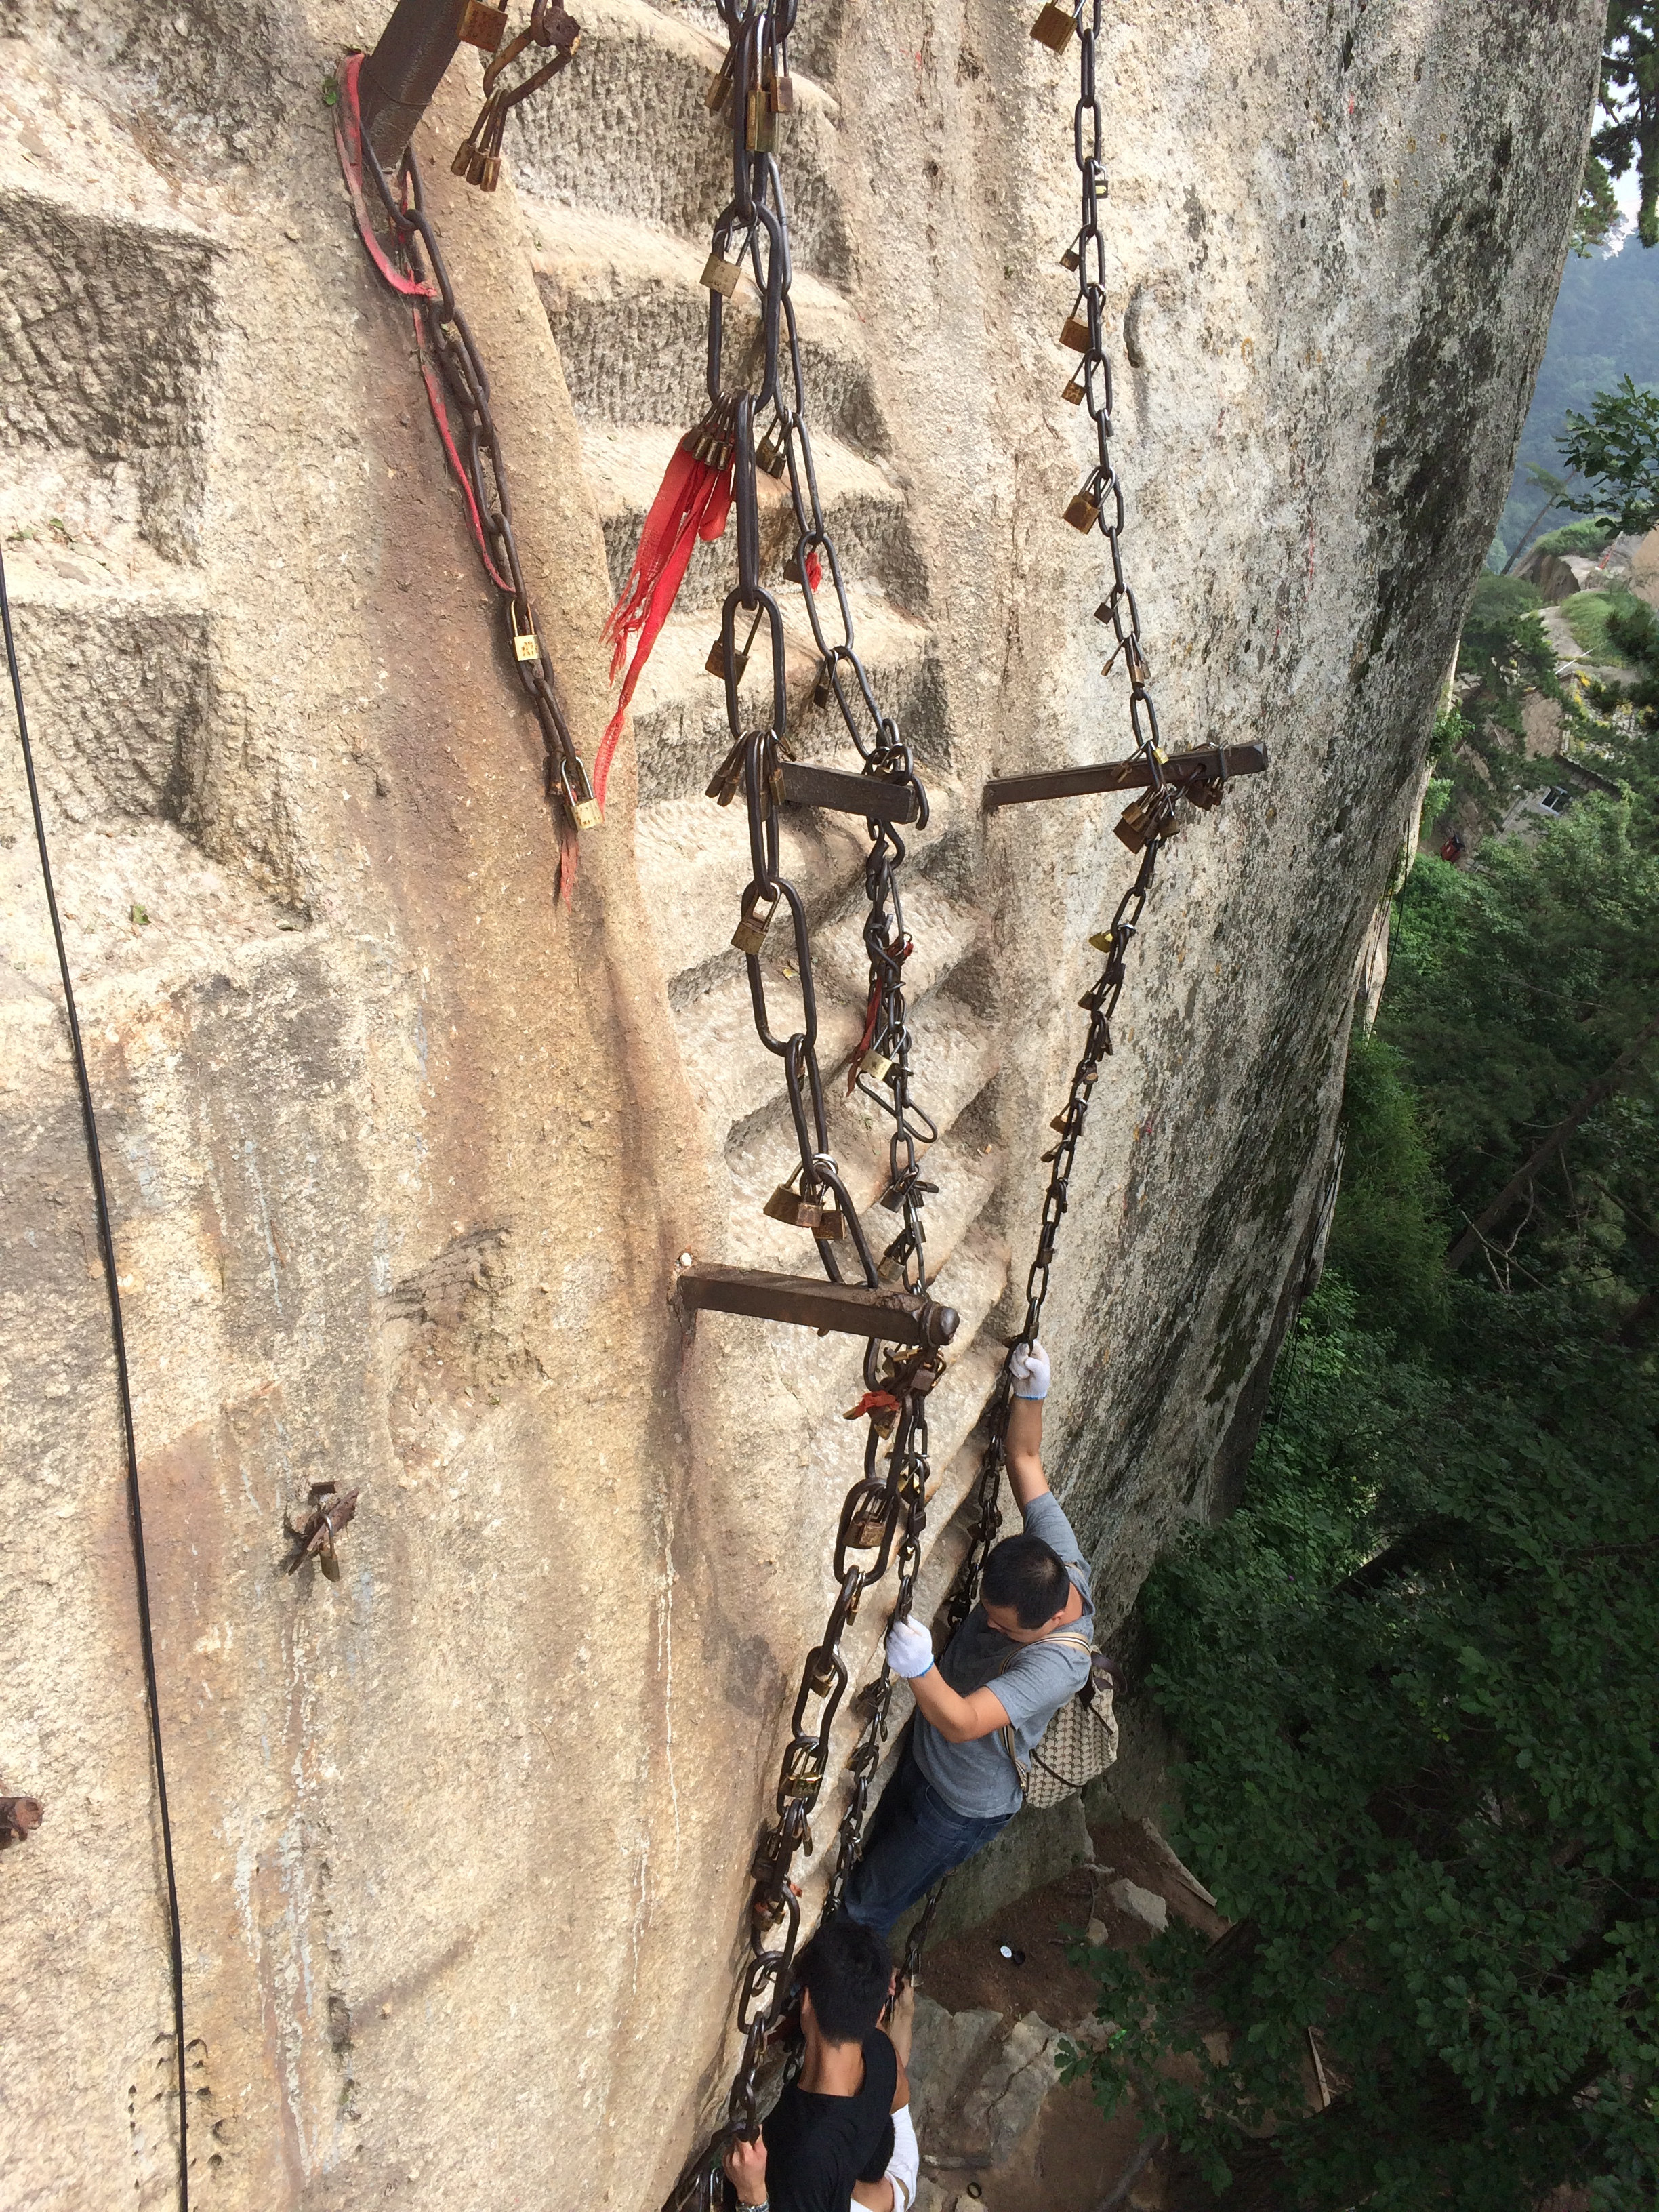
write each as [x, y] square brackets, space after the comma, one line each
[909, 1649]
[1028, 1363]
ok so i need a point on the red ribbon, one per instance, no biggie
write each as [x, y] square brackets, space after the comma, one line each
[873, 1401]
[693, 504]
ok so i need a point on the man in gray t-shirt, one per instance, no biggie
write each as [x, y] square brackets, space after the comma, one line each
[1021, 1653]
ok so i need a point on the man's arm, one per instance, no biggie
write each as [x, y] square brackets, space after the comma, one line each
[1029, 1366]
[958, 1719]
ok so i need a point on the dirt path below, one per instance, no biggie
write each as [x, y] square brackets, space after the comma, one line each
[998, 2132]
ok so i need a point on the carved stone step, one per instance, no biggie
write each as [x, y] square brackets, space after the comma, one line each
[729, 1071]
[865, 513]
[679, 709]
[629, 130]
[627, 307]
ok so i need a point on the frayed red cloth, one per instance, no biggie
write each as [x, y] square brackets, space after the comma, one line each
[692, 506]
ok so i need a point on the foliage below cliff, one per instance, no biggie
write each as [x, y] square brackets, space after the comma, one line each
[1416, 1673]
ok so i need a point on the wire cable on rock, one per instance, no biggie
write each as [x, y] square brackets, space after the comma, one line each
[124, 1382]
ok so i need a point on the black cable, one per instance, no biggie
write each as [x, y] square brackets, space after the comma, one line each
[135, 1512]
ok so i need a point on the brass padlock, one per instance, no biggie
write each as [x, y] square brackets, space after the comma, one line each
[1054, 27]
[763, 131]
[1076, 333]
[877, 1066]
[720, 90]
[891, 1266]
[587, 814]
[715, 664]
[1102, 940]
[1070, 260]
[1074, 390]
[787, 1205]
[721, 275]
[749, 934]
[1083, 511]
[772, 453]
[781, 96]
[1061, 1124]
[1147, 818]
[525, 644]
[482, 25]
[489, 172]
[869, 1524]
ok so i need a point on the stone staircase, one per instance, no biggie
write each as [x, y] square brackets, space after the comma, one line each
[620, 231]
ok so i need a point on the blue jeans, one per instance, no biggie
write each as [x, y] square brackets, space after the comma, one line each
[915, 1840]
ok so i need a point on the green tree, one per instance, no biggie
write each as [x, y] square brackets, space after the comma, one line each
[1615, 448]
[1504, 654]
[1417, 1675]
[1629, 136]
[1597, 211]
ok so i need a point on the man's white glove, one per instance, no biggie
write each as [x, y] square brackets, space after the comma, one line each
[1028, 1363]
[909, 1649]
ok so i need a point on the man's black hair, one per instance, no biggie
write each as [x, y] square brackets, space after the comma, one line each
[882, 2157]
[1029, 1575]
[847, 1972]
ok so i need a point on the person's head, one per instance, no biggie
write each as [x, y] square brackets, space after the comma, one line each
[1024, 1588]
[846, 1975]
[882, 2157]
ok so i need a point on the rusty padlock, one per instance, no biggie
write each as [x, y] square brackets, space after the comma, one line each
[749, 934]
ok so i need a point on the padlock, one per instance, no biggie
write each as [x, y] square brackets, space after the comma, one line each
[525, 644]
[792, 570]
[1102, 941]
[482, 25]
[787, 1205]
[1074, 391]
[1054, 27]
[462, 164]
[1146, 818]
[721, 275]
[720, 90]
[489, 172]
[1061, 1124]
[1083, 511]
[869, 1524]
[820, 1671]
[875, 1065]
[763, 131]
[781, 96]
[587, 811]
[772, 453]
[1076, 333]
[749, 934]
[823, 689]
[1070, 260]
[728, 779]
[715, 664]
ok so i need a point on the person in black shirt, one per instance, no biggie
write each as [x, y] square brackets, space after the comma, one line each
[827, 2126]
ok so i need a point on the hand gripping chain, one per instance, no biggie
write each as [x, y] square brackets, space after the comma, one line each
[454, 376]
[1149, 822]
[884, 1512]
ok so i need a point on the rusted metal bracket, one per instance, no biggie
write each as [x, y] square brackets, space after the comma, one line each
[332, 1511]
[406, 69]
[895, 1317]
[874, 797]
[19, 1819]
[1205, 765]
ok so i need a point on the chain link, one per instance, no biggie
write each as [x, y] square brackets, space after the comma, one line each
[410, 264]
[1149, 824]
[884, 1513]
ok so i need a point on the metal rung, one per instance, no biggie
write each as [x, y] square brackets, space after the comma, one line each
[877, 799]
[894, 1315]
[1202, 766]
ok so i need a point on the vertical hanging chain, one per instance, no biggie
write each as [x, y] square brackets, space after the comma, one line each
[412, 266]
[1147, 825]
[884, 1512]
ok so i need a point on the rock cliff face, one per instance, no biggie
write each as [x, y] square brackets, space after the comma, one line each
[402, 1150]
